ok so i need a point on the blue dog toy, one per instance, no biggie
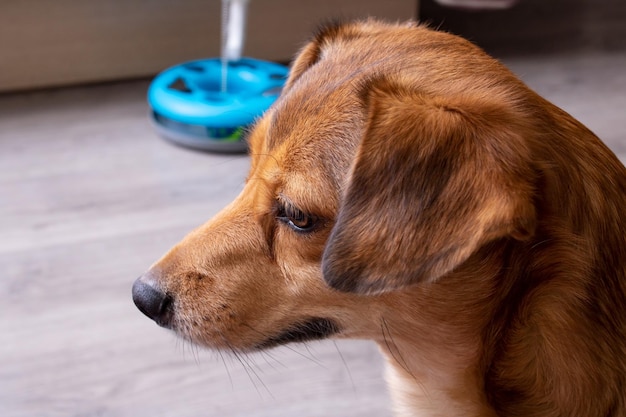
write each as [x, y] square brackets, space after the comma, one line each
[209, 103]
[190, 108]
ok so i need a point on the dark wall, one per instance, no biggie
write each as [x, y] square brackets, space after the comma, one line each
[537, 26]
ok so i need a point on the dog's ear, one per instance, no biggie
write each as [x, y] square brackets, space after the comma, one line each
[326, 33]
[433, 180]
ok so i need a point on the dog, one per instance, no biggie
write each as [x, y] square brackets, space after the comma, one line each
[409, 189]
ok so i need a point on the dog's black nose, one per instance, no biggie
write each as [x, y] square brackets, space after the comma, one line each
[152, 302]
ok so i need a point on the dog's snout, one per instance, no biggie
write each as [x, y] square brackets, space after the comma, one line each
[152, 302]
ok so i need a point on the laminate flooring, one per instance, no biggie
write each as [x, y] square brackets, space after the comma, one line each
[90, 197]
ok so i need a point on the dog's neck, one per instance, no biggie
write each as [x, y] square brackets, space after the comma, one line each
[435, 349]
[430, 394]
[438, 383]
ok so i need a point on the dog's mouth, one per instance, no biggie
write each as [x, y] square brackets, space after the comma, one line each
[315, 328]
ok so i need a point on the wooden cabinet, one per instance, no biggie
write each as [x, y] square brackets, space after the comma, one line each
[53, 43]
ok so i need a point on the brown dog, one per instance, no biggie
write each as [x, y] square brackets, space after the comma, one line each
[407, 188]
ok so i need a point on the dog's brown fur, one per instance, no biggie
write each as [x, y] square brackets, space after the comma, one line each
[475, 231]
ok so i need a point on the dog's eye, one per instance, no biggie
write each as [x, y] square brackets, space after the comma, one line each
[296, 219]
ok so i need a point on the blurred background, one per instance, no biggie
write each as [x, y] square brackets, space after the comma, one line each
[90, 196]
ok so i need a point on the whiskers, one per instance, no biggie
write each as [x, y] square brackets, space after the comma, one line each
[187, 346]
[249, 366]
[345, 365]
[261, 367]
[396, 354]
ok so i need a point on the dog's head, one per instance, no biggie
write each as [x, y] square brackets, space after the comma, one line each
[393, 155]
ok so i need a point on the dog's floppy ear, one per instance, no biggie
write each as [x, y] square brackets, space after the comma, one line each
[433, 180]
[326, 33]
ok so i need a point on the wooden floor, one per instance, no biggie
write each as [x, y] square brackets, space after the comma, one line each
[89, 198]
